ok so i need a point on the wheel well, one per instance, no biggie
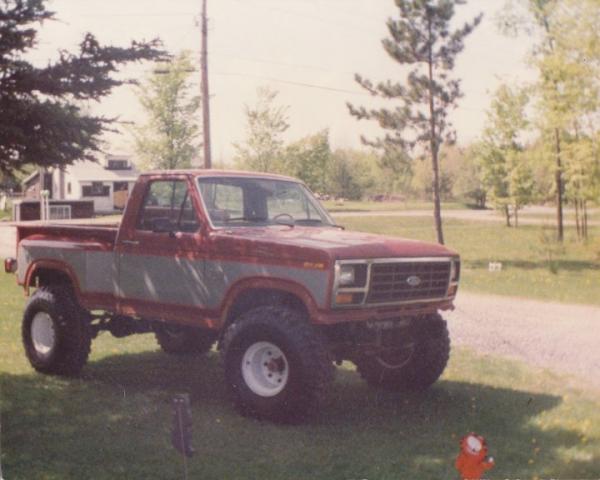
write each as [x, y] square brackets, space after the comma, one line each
[257, 297]
[49, 276]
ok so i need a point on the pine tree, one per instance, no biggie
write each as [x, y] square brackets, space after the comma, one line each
[42, 121]
[169, 138]
[420, 38]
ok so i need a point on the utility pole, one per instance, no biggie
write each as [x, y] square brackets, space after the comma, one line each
[204, 86]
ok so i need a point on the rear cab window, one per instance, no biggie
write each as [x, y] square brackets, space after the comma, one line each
[168, 206]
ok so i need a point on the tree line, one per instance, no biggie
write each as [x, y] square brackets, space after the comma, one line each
[540, 141]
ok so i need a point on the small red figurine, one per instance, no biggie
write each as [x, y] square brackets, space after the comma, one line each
[472, 461]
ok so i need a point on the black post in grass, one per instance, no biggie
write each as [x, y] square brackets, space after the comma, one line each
[181, 433]
[1, 476]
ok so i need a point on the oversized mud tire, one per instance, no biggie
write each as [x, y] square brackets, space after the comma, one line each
[276, 364]
[416, 369]
[180, 340]
[56, 331]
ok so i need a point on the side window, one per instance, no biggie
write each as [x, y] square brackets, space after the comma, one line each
[167, 207]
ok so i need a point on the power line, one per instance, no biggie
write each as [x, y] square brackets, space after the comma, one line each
[285, 64]
[291, 82]
[139, 14]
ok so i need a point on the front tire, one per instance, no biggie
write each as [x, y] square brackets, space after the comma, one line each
[414, 367]
[276, 364]
[55, 331]
[180, 340]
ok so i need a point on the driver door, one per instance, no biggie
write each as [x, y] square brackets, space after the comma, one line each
[161, 258]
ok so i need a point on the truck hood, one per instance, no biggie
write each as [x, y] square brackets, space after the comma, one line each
[317, 243]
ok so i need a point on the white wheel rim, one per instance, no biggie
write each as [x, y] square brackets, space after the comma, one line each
[265, 369]
[407, 352]
[43, 335]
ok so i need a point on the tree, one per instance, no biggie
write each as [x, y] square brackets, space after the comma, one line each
[393, 171]
[567, 58]
[41, 118]
[266, 123]
[520, 182]
[422, 181]
[309, 159]
[505, 170]
[345, 174]
[420, 38]
[583, 177]
[468, 183]
[169, 138]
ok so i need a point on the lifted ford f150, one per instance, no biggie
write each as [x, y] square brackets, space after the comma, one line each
[253, 262]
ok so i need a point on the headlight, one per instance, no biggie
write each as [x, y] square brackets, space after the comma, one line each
[350, 288]
[347, 276]
[351, 275]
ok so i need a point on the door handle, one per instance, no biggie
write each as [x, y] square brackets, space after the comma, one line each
[130, 242]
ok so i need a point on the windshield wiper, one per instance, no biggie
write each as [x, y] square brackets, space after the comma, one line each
[245, 219]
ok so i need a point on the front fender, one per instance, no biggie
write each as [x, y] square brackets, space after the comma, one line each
[275, 284]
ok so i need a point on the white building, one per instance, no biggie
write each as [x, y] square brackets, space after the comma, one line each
[106, 183]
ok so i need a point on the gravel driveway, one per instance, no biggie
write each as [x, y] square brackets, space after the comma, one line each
[561, 337]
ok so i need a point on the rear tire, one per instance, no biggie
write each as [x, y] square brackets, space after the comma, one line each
[276, 364]
[56, 332]
[411, 370]
[180, 340]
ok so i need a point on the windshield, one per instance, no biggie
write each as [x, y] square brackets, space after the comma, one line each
[243, 201]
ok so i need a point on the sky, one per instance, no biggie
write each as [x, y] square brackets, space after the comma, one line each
[307, 50]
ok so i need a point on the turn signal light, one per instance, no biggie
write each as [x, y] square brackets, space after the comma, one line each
[349, 298]
[344, 298]
[452, 290]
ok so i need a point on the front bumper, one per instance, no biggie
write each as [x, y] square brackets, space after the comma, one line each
[332, 317]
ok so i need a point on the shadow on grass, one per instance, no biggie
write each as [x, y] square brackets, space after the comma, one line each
[560, 264]
[114, 422]
[475, 206]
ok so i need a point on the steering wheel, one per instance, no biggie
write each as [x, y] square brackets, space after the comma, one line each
[282, 215]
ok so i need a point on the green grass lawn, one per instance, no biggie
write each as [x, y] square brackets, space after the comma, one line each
[368, 206]
[114, 421]
[550, 217]
[571, 276]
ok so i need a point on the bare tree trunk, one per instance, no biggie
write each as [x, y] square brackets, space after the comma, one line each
[437, 208]
[507, 215]
[559, 188]
[585, 219]
[577, 225]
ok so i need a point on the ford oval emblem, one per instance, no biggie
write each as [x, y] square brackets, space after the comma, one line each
[413, 281]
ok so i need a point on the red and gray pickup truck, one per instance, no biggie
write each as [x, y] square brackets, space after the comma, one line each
[253, 262]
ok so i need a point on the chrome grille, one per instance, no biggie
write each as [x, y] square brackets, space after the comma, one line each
[397, 282]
